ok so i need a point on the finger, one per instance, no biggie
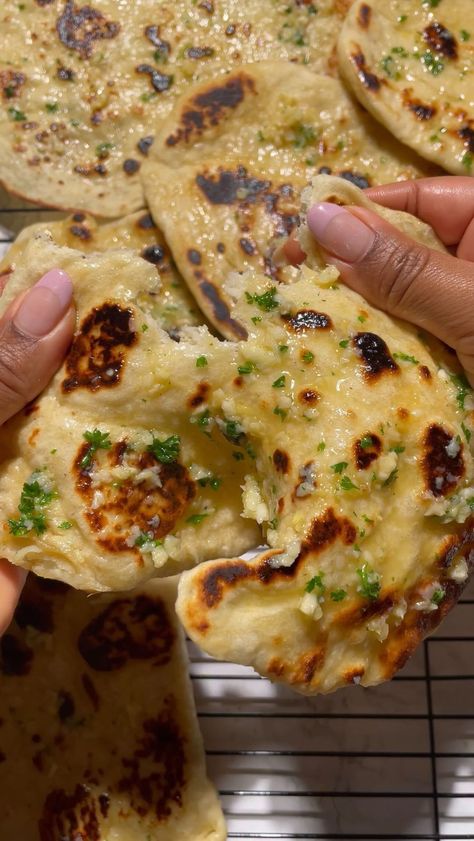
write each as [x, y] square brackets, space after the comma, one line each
[34, 335]
[446, 203]
[393, 272]
[12, 580]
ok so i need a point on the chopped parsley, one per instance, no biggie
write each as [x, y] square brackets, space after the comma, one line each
[338, 595]
[146, 539]
[165, 451]
[463, 387]
[369, 586]
[432, 63]
[65, 525]
[340, 466]
[196, 519]
[405, 357]
[51, 107]
[144, 328]
[97, 440]
[283, 348]
[438, 596]
[321, 446]
[467, 432]
[344, 343]
[103, 150]
[247, 367]
[256, 319]
[397, 448]
[431, 3]
[279, 382]
[281, 412]
[33, 500]
[201, 361]
[266, 301]
[210, 481]
[16, 115]
[390, 67]
[465, 35]
[402, 18]
[308, 356]
[347, 484]
[391, 478]
[316, 581]
[361, 318]
[232, 430]
[303, 135]
[366, 442]
[238, 456]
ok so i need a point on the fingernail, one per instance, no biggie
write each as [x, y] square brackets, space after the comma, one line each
[44, 305]
[340, 232]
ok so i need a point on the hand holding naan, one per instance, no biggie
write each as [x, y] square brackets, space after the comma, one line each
[407, 279]
[34, 335]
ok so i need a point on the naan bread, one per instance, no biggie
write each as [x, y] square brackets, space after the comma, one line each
[84, 85]
[412, 65]
[115, 474]
[224, 176]
[98, 733]
[364, 480]
[173, 307]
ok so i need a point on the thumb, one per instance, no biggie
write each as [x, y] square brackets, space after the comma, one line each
[394, 273]
[35, 332]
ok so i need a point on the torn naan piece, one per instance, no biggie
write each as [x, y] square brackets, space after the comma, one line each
[364, 482]
[412, 65]
[115, 474]
[98, 732]
[224, 177]
[83, 85]
[174, 307]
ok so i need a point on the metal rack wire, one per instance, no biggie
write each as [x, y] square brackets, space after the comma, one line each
[395, 763]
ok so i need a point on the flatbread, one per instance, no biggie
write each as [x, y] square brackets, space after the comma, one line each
[83, 86]
[364, 481]
[98, 732]
[223, 179]
[412, 65]
[173, 307]
[113, 512]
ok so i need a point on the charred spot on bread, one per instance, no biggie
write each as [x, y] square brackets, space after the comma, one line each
[98, 354]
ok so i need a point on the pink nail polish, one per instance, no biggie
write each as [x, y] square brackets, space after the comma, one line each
[340, 232]
[45, 304]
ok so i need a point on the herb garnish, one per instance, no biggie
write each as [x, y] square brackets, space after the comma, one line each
[316, 581]
[97, 440]
[33, 500]
[165, 451]
[266, 301]
[369, 586]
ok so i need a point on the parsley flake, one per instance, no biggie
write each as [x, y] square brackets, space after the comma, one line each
[391, 478]
[340, 466]
[247, 367]
[321, 446]
[405, 357]
[344, 343]
[347, 484]
[16, 115]
[196, 519]
[307, 356]
[65, 525]
[366, 442]
[467, 432]
[97, 440]
[33, 500]
[463, 387]
[282, 413]
[438, 596]
[279, 382]
[165, 451]
[397, 448]
[338, 595]
[369, 586]
[266, 301]
[316, 581]
[201, 361]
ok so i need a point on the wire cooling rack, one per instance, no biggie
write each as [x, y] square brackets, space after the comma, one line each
[395, 763]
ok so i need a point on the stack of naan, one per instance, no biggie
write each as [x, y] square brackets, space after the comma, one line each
[215, 399]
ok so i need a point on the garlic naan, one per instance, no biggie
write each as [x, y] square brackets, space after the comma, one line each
[98, 733]
[83, 86]
[411, 64]
[114, 474]
[223, 179]
[173, 307]
[364, 483]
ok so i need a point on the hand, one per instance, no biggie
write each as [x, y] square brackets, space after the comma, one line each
[34, 335]
[432, 290]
